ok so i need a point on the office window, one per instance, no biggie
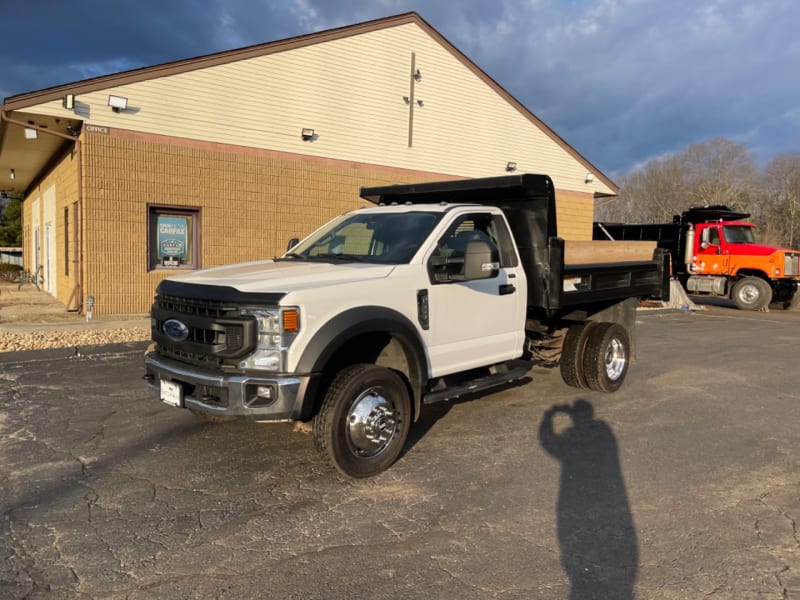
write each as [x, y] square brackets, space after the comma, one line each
[174, 235]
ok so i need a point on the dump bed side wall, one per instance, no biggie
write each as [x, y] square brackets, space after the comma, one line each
[669, 236]
[579, 252]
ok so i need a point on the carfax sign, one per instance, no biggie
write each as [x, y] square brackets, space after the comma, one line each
[173, 238]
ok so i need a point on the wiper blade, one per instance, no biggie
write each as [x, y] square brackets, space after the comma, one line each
[336, 256]
[291, 255]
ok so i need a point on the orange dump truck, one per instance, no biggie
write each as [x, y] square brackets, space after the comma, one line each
[714, 252]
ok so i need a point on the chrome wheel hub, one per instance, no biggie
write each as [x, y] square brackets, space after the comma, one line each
[615, 359]
[371, 422]
[749, 293]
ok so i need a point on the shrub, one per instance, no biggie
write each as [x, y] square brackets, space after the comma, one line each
[9, 272]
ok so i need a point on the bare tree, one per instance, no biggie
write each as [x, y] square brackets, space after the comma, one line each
[780, 200]
[715, 172]
[720, 172]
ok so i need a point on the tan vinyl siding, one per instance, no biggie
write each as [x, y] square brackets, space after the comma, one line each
[350, 91]
[574, 213]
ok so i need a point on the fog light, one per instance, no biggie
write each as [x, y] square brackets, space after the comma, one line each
[261, 395]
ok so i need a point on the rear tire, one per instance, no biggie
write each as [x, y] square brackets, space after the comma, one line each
[606, 357]
[572, 354]
[364, 420]
[751, 293]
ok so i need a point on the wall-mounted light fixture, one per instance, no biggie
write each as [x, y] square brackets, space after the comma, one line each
[420, 103]
[417, 75]
[589, 178]
[12, 175]
[68, 101]
[117, 103]
[511, 166]
[406, 99]
[307, 134]
[31, 133]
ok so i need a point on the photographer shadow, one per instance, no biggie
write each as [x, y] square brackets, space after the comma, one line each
[599, 549]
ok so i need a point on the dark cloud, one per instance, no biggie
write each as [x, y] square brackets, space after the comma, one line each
[621, 80]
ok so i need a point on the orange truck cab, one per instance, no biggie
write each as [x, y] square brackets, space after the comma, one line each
[715, 253]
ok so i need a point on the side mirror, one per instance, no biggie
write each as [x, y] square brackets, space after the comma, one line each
[481, 261]
[292, 243]
[704, 245]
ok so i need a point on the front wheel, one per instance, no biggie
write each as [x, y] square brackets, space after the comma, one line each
[751, 293]
[364, 420]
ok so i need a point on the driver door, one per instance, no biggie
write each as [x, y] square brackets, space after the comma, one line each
[481, 321]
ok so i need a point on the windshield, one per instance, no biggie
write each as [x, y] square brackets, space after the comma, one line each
[376, 237]
[738, 234]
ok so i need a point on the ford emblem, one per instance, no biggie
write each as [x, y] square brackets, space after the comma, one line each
[176, 330]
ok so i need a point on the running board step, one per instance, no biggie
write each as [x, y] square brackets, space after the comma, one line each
[476, 385]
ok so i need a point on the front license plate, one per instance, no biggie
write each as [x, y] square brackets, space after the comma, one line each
[171, 393]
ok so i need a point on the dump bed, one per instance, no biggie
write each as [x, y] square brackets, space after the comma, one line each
[559, 277]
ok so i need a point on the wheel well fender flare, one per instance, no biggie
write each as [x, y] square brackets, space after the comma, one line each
[354, 322]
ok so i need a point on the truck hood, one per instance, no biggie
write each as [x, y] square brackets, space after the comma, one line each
[284, 276]
[756, 249]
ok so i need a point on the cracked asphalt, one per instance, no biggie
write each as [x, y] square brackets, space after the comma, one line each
[684, 484]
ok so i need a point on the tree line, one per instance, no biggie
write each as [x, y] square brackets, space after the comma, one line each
[11, 222]
[719, 171]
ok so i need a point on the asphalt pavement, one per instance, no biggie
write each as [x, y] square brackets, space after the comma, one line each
[684, 484]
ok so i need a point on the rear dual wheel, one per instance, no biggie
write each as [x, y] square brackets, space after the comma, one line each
[572, 354]
[595, 356]
[606, 357]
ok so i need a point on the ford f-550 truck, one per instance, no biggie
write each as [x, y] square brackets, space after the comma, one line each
[441, 290]
[714, 253]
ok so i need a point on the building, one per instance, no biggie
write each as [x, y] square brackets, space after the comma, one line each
[130, 177]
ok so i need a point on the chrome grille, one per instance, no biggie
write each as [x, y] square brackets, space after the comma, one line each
[791, 265]
[218, 335]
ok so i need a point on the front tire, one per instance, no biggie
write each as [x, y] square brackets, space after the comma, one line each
[606, 357]
[364, 420]
[751, 293]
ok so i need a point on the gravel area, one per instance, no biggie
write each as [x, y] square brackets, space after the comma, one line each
[31, 319]
[41, 340]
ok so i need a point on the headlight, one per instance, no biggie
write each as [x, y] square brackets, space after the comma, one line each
[277, 328]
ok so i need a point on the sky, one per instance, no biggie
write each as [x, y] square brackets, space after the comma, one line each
[622, 81]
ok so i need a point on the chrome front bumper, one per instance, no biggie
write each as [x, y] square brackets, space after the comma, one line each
[229, 395]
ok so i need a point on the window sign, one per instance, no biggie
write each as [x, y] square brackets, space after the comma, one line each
[173, 235]
[173, 238]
